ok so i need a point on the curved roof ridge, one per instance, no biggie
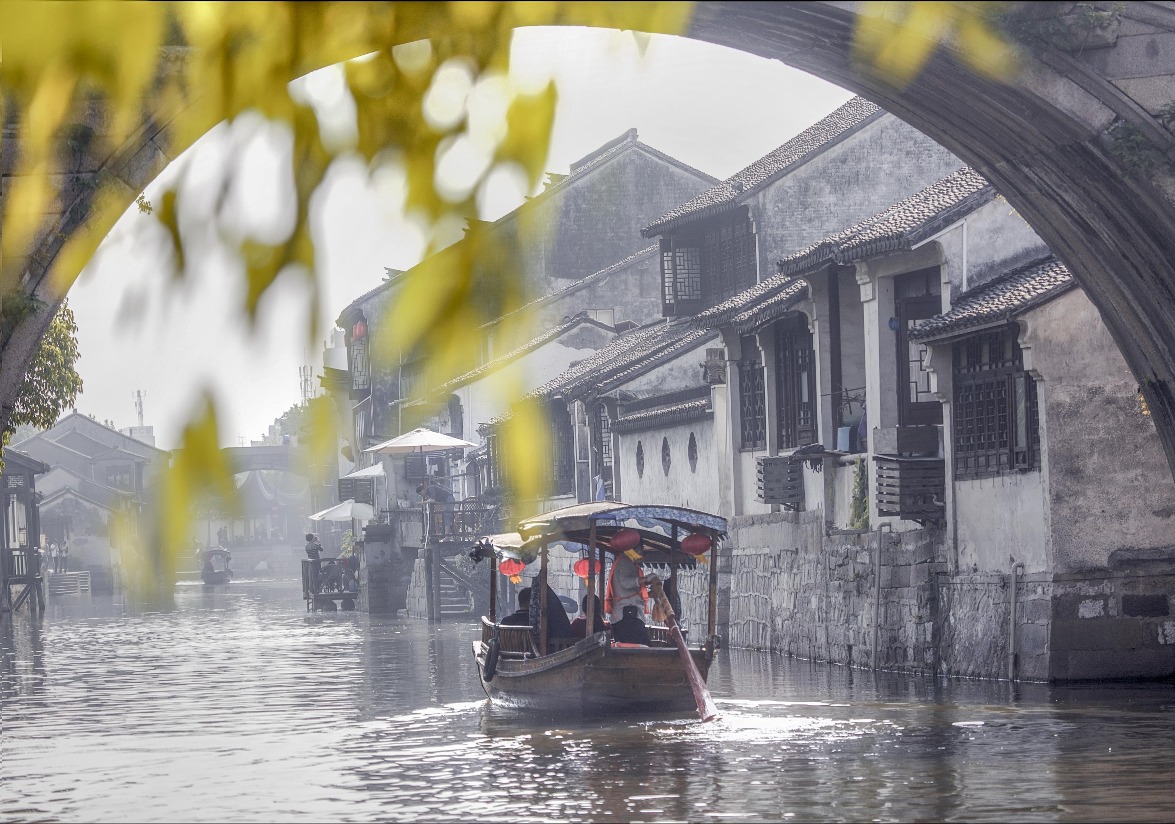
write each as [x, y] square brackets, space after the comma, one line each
[746, 181]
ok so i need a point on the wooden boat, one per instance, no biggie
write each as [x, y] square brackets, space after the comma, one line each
[215, 569]
[522, 668]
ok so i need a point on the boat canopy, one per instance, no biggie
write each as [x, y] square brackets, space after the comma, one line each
[661, 530]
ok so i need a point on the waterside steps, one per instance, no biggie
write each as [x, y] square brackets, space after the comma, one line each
[68, 583]
[456, 600]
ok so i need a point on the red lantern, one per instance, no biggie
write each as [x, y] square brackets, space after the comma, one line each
[625, 540]
[696, 544]
[359, 331]
[512, 569]
[510, 566]
[584, 566]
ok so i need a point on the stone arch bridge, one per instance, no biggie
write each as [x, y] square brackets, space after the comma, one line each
[1075, 140]
[279, 458]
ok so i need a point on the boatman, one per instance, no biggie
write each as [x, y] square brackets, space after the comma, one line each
[626, 585]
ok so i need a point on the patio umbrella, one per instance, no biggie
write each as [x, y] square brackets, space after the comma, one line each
[418, 440]
[346, 511]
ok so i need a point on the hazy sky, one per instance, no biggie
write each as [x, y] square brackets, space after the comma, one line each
[713, 108]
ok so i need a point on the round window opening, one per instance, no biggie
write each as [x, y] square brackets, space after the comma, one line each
[666, 458]
[693, 453]
[640, 460]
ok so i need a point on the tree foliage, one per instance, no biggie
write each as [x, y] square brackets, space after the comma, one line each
[51, 383]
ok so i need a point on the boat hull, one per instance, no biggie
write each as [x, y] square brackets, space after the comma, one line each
[594, 677]
[213, 578]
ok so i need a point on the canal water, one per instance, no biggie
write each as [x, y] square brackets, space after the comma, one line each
[236, 705]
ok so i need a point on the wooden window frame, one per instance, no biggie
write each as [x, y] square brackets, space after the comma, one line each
[916, 299]
[995, 408]
[795, 384]
[752, 397]
[707, 263]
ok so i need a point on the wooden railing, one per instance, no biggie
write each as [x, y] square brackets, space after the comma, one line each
[461, 521]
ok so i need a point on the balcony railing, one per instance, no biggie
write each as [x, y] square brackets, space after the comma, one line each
[911, 488]
[461, 521]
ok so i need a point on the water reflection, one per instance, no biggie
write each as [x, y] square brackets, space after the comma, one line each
[236, 704]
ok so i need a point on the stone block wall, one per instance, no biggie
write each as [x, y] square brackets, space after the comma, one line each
[1113, 626]
[418, 591]
[787, 586]
[974, 637]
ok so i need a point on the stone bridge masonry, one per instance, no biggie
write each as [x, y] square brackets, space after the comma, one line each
[1077, 141]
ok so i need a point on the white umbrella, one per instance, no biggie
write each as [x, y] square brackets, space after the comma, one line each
[418, 440]
[376, 471]
[346, 511]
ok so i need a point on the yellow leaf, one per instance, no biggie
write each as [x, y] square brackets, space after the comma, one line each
[528, 131]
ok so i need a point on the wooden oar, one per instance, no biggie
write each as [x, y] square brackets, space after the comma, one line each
[706, 709]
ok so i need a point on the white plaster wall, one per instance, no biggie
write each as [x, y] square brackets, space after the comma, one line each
[998, 239]
[747, 466]
[483, 399]
[887, 160]
[681, 372]
[999, 519]
[696, 489]
[1109, 487]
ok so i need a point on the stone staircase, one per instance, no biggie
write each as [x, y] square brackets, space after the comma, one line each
[456, 599]
[68, 583]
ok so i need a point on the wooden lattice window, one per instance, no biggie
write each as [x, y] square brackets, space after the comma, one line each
[728, 256]
[795, 384]
[562, 450]
[681, 278]
[752, 396]
[707, 263]
[360, 370]
[996, 417]
[916, 299]
[602, 438]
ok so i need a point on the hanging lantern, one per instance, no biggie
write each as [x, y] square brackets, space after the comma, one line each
[512, 568]
[585, 566]
[696, 544]
[359, 330]
[625, 540]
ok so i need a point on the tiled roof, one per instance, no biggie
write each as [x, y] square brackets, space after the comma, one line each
[901, 226]
[627, 356]
[742, 185]
[558, 182]
[579, 284]
[517, 352]
[1001, 299]
[664, 415]
[602, 155]
[750, 307]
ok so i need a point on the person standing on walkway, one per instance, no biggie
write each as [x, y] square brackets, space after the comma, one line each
[54, 557]
[64, 552]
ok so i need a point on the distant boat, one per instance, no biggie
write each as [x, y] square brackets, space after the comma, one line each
[215, 568]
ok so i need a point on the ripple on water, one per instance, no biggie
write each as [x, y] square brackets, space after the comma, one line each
[236, 705]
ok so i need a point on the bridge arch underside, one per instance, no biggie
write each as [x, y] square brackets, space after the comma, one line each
[1042, 139]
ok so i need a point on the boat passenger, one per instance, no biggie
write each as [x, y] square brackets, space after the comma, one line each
[558, 624]
[521, 616]
[579, 625]
[631, 628]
